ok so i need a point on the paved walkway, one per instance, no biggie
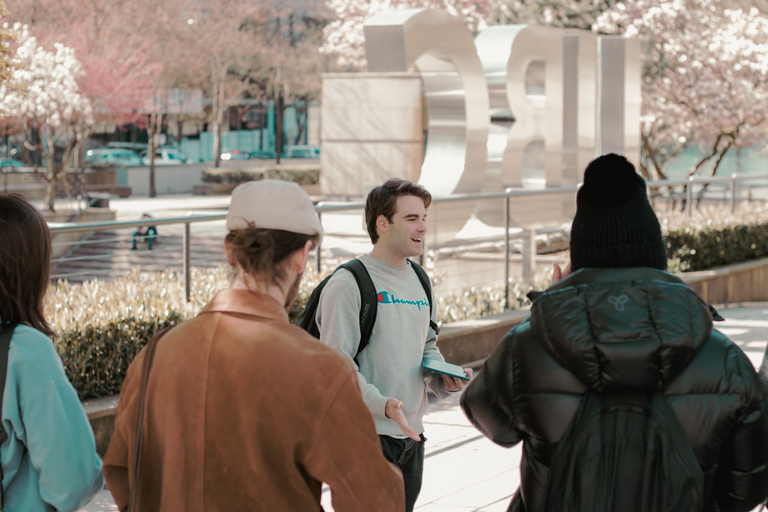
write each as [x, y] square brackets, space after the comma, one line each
[466, 472]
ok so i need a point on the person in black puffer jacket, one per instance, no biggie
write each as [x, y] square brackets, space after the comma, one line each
[620, 322]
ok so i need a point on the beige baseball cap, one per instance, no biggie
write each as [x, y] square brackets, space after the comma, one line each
[273, 204]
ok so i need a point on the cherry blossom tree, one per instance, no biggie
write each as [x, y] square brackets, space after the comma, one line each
[705, 79]
[6, 56]
[116, 81]
[344, 39]
[580, 14]
[217, 35]
[44, 95]
[117, 45]
[291, 65]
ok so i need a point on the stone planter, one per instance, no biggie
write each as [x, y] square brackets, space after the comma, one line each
[740, 282]
[312, 190]
[214, 189]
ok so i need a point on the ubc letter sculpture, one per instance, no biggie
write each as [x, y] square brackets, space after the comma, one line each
[519, 107]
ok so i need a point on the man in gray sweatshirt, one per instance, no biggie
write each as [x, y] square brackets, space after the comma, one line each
[391, 378]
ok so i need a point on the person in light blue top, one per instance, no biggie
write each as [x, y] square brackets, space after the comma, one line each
[48, 459]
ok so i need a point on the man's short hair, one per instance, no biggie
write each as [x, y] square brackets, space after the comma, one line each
[382, 200]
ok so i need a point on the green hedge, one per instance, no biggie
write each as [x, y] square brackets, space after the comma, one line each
[301, 174]
[101, 326]
[714, 236]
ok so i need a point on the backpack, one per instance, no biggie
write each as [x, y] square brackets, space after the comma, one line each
[368, 301]
[624, 452]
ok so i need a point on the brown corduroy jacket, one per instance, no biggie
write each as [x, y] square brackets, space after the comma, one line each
[245, 411]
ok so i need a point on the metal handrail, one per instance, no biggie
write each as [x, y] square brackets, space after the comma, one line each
[103, 226]
[529, 247]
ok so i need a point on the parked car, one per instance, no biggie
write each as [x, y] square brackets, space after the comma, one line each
[262, 154]
[111, 156]
[165, 156]
[236, 154]
[303, 151]
[136, 147]
[13, 151]
[10, 162]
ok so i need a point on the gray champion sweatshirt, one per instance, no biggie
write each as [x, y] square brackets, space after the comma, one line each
[390, 366]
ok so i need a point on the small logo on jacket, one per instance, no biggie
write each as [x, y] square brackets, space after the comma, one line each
[618, 302]
[388, 298]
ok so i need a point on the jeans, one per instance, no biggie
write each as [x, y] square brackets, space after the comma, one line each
[408, 455]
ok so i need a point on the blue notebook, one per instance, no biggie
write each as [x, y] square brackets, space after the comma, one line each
[435, 365]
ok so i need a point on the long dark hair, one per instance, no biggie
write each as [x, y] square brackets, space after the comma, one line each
[25, 263]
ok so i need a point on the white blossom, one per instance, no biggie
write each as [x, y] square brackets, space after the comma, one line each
[44, 88]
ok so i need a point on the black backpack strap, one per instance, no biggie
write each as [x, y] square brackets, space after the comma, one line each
[427, 285]
[5, 345]
[307, 321]
[368, 301]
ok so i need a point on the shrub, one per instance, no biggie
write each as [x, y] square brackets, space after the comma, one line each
[102, 326]
[714, 236]
[232, 175]
[301, 174]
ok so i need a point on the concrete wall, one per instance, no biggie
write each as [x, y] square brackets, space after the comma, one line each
[169, 179]
[469, 341]
[743, 282]
[372, 130]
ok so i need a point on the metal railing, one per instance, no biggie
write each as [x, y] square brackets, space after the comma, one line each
[689, 183]
[528, 236]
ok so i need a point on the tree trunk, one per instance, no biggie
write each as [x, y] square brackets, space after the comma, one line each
[301, 108]
[278, 101]
[32, 143]
[713, 170]
[216, 144]
[712, 152]
[82, 137]
[154, 122]
[218, 104]
[219, 119]
[50, 170]
[65, 160]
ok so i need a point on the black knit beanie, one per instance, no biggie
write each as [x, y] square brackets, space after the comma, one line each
[615, 226]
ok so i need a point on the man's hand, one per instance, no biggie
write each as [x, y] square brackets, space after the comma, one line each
[455, 383]
[394, 411]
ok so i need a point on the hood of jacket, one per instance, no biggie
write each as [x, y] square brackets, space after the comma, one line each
[634, 328]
